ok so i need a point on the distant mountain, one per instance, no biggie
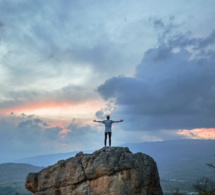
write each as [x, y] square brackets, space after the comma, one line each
[12, 177]
[49, 159]
[45, 160]
[178, 157]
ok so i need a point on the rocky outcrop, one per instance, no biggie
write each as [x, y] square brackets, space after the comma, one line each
[108, 171]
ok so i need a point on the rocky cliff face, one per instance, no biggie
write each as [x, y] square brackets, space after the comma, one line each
[108, 171]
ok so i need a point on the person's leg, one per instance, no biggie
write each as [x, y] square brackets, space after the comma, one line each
[109, 138]
[105, 138]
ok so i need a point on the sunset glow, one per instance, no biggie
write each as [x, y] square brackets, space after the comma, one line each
[201, 133]
[58, 109]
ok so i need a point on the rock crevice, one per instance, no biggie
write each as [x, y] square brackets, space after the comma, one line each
[108, 171]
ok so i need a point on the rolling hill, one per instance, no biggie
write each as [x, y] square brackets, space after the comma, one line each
[12, 177]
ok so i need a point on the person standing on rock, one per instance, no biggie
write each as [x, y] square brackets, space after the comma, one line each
[108, 123]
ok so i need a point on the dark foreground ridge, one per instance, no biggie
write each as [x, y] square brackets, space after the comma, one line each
[108, 171]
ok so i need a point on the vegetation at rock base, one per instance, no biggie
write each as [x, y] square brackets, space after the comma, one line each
[205, 185]
[12, 178]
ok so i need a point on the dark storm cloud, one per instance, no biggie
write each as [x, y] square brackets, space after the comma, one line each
[171, 89]
[197, 43]
[36, 123]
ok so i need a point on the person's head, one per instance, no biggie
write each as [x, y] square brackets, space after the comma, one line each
[108, 117]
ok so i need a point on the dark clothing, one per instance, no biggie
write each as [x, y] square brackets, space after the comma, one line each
[109, 135]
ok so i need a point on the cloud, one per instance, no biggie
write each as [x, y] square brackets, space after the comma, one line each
[52, 51]
[198, 133]
[84, 136]
[69, 95]
[31, 136]
[172, 88]
[50, 39]
[35, 123]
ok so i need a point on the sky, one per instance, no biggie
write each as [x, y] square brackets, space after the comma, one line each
[64, 63]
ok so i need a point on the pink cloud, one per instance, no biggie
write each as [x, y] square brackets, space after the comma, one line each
[52, 108]
[200, 133]
[64, 131]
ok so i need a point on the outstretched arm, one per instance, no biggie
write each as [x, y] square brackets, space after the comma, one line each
[97, 121]
[118, 121]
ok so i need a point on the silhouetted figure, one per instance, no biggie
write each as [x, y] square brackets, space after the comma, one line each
[108, 123]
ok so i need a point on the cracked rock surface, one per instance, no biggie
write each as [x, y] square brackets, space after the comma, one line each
[108, 171]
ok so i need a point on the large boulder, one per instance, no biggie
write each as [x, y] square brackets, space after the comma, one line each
[108, 171]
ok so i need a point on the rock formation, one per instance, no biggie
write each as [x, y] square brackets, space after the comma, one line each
[108, 171]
